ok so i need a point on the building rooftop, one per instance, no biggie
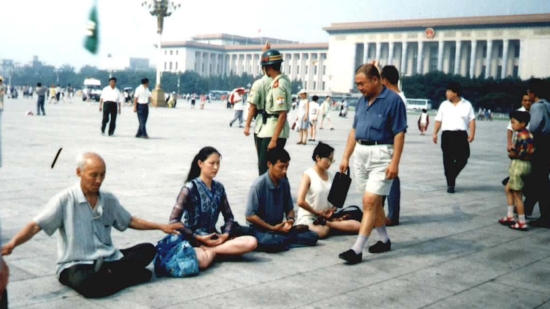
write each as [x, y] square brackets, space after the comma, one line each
[441, 22]
[236, 48]
[238, 38]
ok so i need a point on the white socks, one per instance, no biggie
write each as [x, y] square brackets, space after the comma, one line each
[383, 234]
[510, 211]
[521, 218]
[359, 244]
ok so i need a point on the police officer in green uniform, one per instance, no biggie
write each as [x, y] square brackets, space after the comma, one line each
[275, 129]
[256, 100]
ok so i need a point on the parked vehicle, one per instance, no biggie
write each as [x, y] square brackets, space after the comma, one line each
[91, 89]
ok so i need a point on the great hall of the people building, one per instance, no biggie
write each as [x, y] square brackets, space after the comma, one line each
[490, 47]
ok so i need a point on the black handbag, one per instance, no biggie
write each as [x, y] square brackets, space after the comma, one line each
[339, 189]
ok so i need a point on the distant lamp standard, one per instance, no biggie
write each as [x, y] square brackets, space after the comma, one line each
[330, 84]
[179, 72]
[57, 76]
[160, 9]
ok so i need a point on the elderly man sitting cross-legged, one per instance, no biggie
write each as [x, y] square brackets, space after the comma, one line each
[87, 260]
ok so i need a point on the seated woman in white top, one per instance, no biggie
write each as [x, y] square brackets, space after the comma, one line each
[315, 209]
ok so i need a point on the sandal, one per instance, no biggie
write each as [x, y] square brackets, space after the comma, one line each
[519, 226]
[299, 143]
[507, 221]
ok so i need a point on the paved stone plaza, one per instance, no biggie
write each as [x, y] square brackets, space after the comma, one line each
[448, 252]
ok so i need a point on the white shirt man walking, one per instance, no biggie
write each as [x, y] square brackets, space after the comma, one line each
[110, 102]
[142, 97]
[454, 117]
[236, 98]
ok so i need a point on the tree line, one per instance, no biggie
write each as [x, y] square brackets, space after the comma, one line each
[189, 81]
[499, 95]
[496, 94]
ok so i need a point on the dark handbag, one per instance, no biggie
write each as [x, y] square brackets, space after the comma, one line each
[339, 189]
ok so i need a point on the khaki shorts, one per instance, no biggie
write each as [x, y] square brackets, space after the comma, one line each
[518, 170]
[371, 163]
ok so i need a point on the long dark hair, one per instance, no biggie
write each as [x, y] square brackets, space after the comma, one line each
[195, 170]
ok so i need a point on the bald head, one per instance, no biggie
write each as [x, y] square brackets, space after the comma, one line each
[91, 170]
[86, 158]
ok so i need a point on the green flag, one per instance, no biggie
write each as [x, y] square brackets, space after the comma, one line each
[91, 42]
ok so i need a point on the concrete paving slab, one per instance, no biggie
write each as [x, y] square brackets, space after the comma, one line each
[493, 295]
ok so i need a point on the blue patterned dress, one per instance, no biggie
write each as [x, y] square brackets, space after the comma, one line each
[198, 208]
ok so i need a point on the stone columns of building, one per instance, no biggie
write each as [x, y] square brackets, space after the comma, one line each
[505, 46]
[403, 58]
[302, 67]
[473, 59]
[390, 54]
[365, 52]
[440, 50]
[378, 50]
[419, 57]
[489, 58]
[310, 71]
[458, 50]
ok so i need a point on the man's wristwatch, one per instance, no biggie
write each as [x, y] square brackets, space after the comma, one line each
[290, 218]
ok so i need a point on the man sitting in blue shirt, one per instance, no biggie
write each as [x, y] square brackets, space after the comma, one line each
[377, 137]
[269, 201]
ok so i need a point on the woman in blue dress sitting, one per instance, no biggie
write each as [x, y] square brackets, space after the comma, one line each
[198, 207]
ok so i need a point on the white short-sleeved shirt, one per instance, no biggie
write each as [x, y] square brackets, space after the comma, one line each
[238, 101]
[84, 234]
[521, 109]
[313, 109]
[402, 95]
[142, 94]
[455, 118]
[109, 94]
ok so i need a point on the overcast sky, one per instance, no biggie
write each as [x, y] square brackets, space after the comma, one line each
[54, 29]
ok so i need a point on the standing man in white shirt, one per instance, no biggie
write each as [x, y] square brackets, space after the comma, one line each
[236, 98]
[109, 103]
[142, 97]
[454, 117]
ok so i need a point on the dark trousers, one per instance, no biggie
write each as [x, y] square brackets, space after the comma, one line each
[394, 200]
[262, 152]
[276, 242]
[40, 105]
[538, 181]
[113, 276]
[143, 114]
[109, 109]
[456, 151]
[4, 301]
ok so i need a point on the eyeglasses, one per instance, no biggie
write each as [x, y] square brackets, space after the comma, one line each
[330, 160]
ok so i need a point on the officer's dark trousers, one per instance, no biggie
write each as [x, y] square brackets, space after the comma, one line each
[262, 151]
[538, 181]
[109, 109]
[4, 301]
[112, 277]
[276, 242]
[456, 151]
[143, 114]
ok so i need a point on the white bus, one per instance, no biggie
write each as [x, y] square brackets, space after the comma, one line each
[419, 104]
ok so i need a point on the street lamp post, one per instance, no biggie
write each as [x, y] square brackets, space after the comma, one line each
[160, 9]
[179, 82]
